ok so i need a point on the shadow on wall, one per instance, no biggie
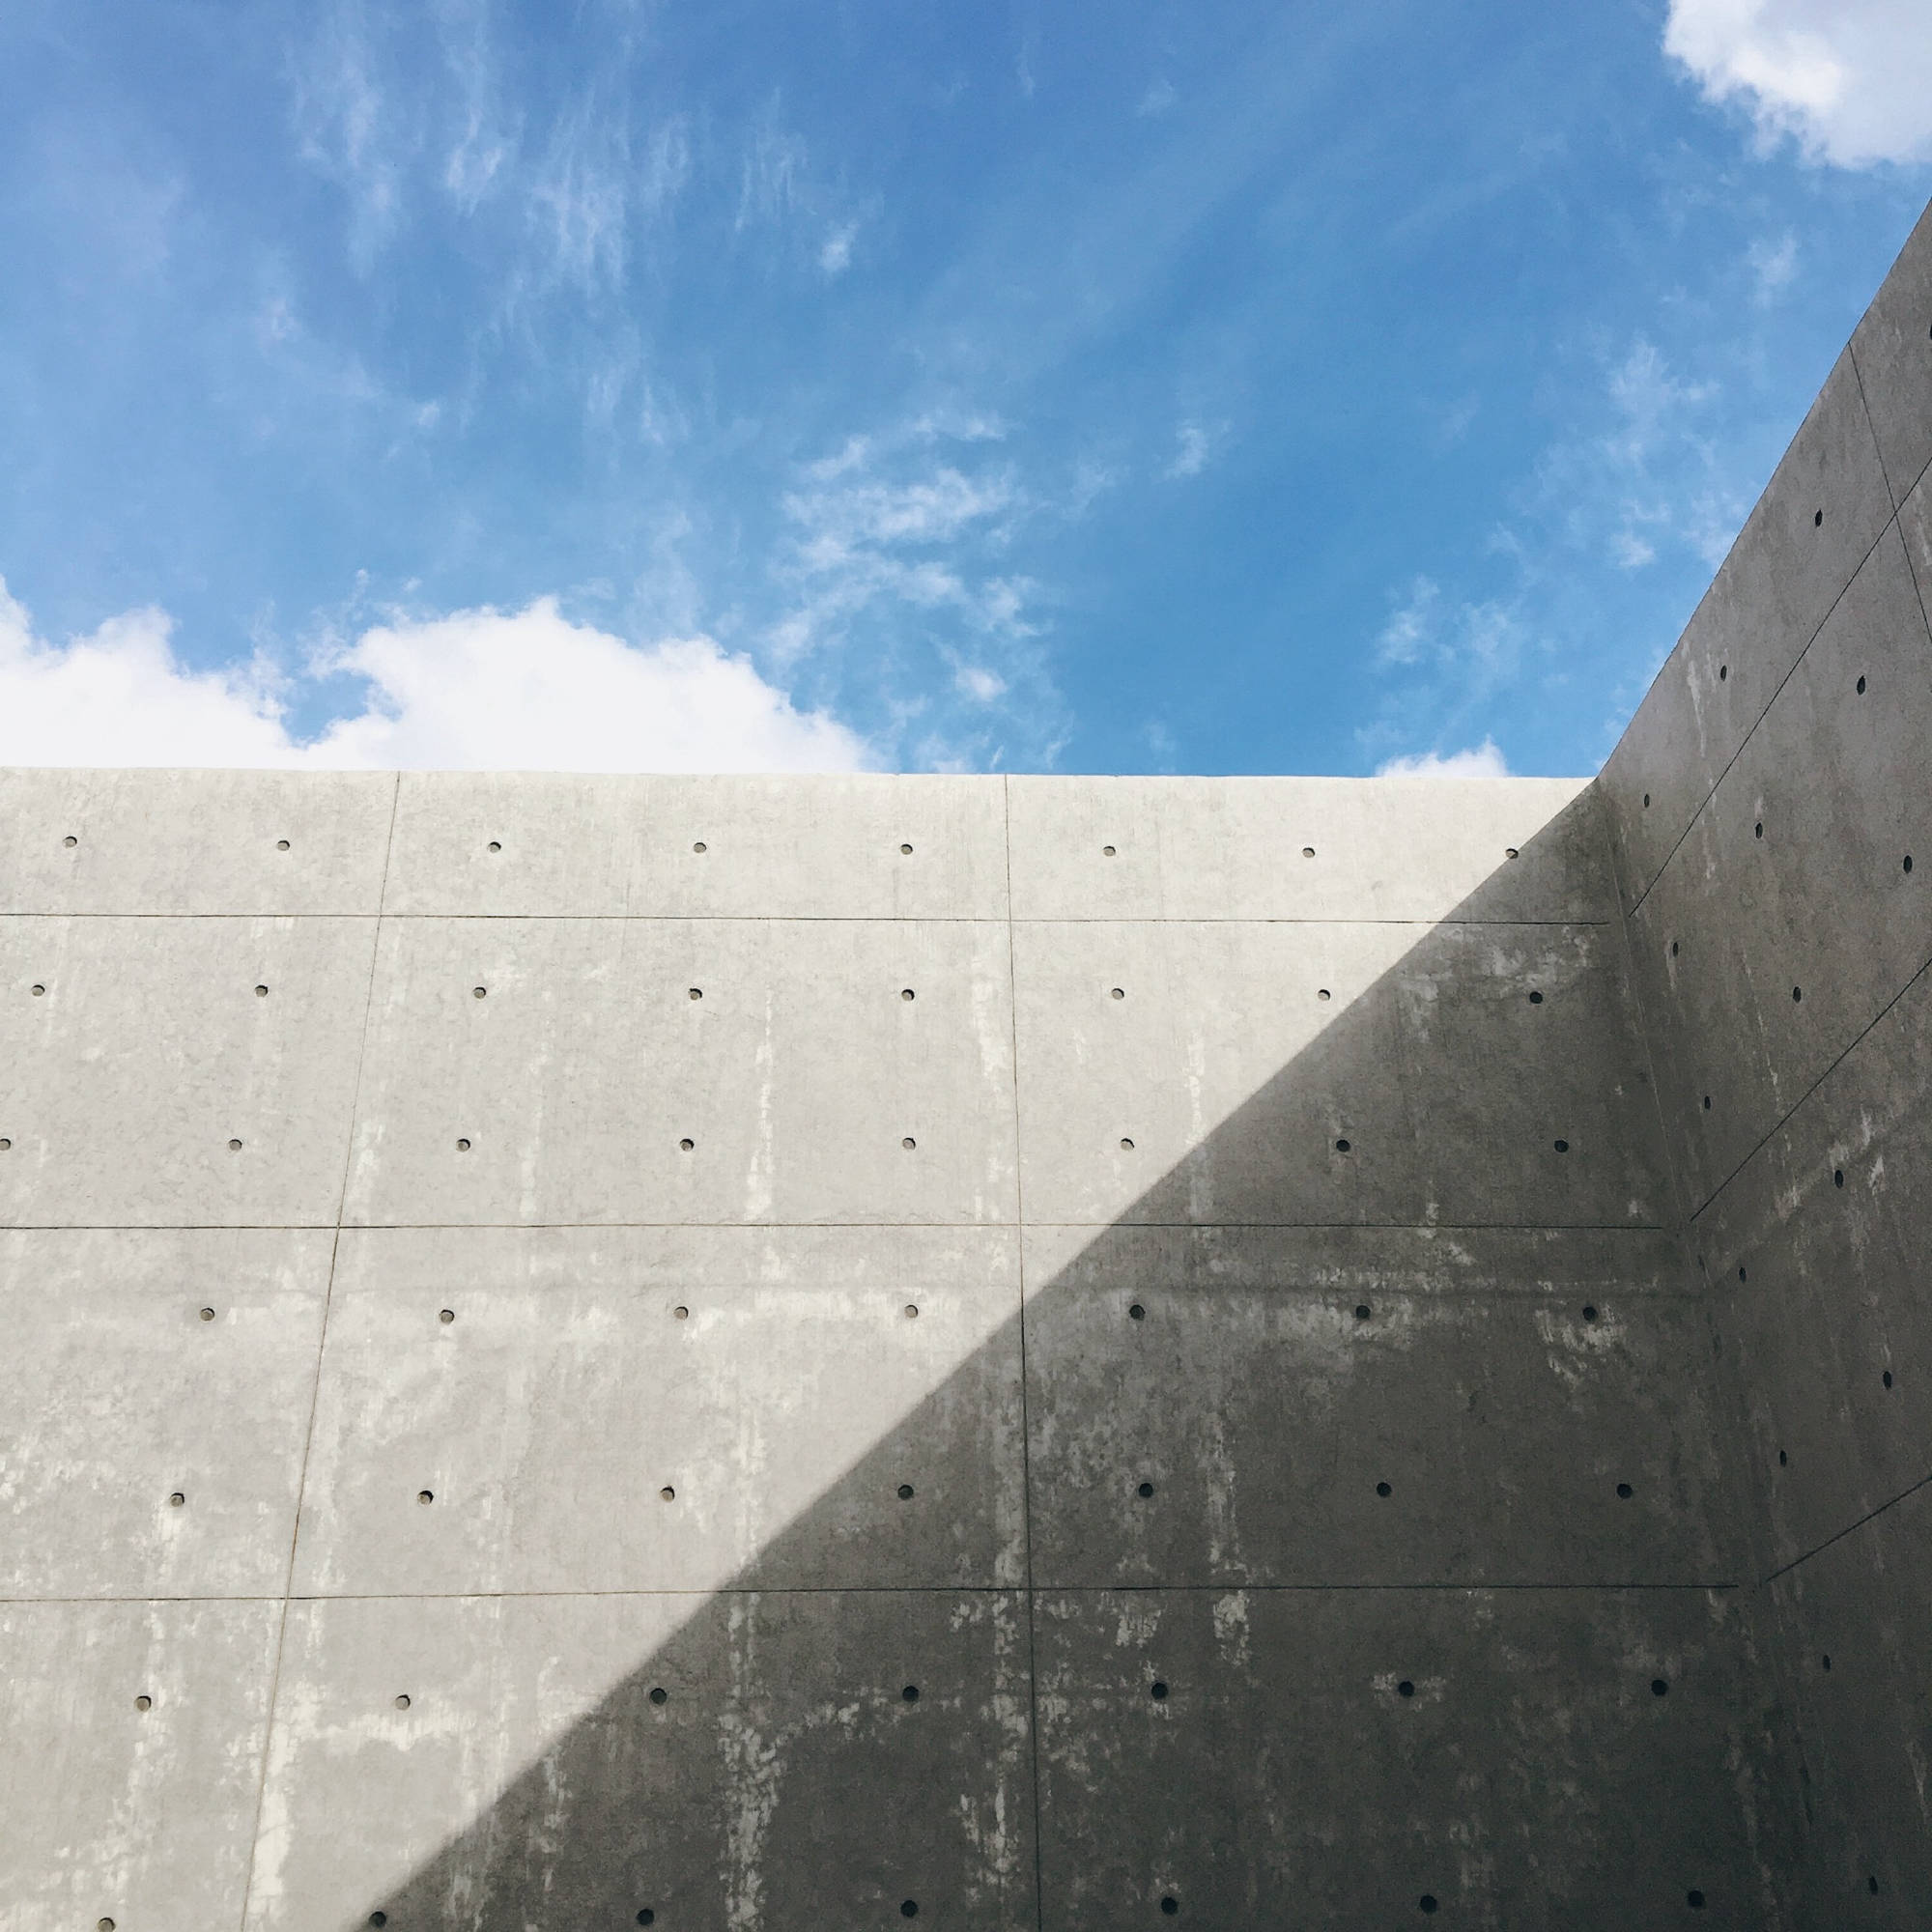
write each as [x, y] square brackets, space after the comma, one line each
[1375, 1557]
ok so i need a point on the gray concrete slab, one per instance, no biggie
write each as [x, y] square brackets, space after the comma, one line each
[798, 1077]
[784, 1780]
[177, 843]
[1802, 544]
[1758, 921]
[506, 844]
[1531, 1777]
[749, 1372]
[1304, 848]
[1439, 1439]
[148, 1084]
[1830, 1314]
[1865, 1603]
[1356, 1108]
[121, 1395]
[116, 1812]
[1892, 347]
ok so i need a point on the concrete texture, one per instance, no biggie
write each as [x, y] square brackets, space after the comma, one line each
[1042, 1353]
[514, 1406]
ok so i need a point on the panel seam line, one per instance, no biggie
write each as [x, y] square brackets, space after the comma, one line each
[1870, 1515]
[321, 1346]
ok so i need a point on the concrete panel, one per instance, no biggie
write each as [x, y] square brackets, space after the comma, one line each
[147, 1051]
[751, 1373]
[535, 844]
[797, 1077]
[1831, 1314]
[1892, 347]
[120, 1396]
[1806, 837]
[133, 841]
[1802, 544]
[112, 1813]
[1532, 1777]
[1358, 1108]
[1865, 1604]
[1436, 1438]
[784, 1779]
[1305, 848]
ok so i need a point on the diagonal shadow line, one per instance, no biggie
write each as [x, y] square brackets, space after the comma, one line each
[784, 1780]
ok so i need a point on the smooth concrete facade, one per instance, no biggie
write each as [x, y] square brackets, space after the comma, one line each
[1019, 1352]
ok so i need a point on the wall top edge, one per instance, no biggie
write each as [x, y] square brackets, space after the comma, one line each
[1389, 781]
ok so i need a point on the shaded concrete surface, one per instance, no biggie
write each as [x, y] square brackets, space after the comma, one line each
[1773, 828]
[1395, 1464]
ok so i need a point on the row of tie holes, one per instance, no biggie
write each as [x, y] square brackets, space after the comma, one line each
[37, 989]
[909, 1908]
[688, 1146]
[908, 1142]
[905, 851]
[1136, 1312]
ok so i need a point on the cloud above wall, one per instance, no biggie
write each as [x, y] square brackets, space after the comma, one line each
[1479, 761]
[1850, 80]
[475, 690]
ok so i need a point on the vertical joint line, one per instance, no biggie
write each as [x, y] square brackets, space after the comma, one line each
[321, 1346]
[1025, 1428]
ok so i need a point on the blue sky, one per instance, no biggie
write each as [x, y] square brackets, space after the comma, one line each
[1223, 387]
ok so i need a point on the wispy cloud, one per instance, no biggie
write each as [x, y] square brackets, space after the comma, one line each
[981, 685]
[1635, 482]
[1772, 265]
[1480, 639]
[835, 256]
[594, 178]
[1194, 445]
[350, 126]
[1649, 478]
[899, 553]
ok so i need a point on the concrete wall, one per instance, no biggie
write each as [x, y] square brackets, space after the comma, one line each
[1772, 819]
[539, 1311]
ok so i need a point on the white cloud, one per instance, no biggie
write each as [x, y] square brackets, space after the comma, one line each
[1479, 761]
[477, 689]
[1157, 99]
[1849, 81]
